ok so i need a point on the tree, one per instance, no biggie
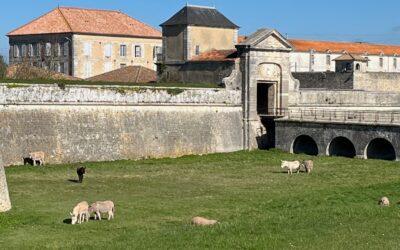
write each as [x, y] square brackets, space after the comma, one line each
[3, 67]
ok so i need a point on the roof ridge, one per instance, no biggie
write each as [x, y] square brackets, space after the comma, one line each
[65, 19]
[345, 42]
[90, 9]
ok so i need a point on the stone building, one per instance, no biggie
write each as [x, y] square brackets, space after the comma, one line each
[85, 42]
[319, 56]
[192, 31]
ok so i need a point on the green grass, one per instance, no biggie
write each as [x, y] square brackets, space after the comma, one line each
[259, 207]
[98, 83]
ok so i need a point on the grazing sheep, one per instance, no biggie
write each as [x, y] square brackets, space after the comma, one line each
[203, 221]
[81, 171]
[291, 165]
[384, 201]
[308, 165]
[80, 213]
[37, 156]
[102, 207]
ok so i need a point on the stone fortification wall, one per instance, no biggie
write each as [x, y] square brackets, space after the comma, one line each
[351, 98]
[76, 124]
[377, 81]
[324, 80]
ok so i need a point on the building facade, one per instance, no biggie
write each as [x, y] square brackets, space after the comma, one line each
[319, 56]
[192, 31]
[85, 42]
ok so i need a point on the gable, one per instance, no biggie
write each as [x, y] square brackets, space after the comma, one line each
[272, 42]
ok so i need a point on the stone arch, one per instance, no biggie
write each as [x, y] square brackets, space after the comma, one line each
[380, 148]
[341, 146]
[304, 144]
[358, 67]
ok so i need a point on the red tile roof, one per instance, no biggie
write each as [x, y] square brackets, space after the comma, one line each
[216, 56]
[87, 21]
[129, 74]
[340, 47]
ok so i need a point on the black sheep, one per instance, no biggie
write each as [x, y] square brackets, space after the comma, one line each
[80, 171]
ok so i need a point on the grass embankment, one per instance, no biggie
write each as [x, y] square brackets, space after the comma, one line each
[96, 83]
[259, 206]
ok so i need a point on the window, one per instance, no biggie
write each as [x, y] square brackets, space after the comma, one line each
[381, 62]
[312, 59]
[57, 67]
[395, 63]
[367, 60]
[157, 50]
[328, 59]
[122, 50]
[16, 51]
[358, 67]
[122, 65]
[48, 49]
[88, 70]
[30, 50]
[138, 51]
[57, 49]
[108, 50]
[197, 51]
[87, 49]
[66, 48]
[64, 68]
[23, 50]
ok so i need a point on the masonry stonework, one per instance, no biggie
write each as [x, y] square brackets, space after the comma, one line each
[89, 124]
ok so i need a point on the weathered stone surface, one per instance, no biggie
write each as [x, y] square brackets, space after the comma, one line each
[85, 124]
[5, 203]
[121, 95]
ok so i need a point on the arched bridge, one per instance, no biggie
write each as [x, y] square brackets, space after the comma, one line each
[339, 138]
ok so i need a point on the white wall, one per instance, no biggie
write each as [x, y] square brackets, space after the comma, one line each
[300, 62]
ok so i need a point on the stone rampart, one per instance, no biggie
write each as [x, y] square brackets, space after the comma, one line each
[77, 124]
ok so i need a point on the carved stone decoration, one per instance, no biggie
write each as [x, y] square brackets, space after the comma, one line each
[5, 203]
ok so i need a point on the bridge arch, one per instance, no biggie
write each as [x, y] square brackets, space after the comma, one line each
[341, 146]
[304, 144]
[380, 148]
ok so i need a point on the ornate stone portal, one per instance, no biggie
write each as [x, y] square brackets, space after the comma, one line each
[5, 203]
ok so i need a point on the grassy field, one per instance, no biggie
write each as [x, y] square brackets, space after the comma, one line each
[259, 206]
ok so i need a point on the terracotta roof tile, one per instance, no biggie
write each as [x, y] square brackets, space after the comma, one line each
[217, 56]
[340, 47]
[89, 21]
[129, 74]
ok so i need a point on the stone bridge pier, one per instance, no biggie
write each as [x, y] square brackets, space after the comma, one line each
[366, 141]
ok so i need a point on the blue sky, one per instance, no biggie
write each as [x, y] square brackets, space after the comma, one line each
[340, 20]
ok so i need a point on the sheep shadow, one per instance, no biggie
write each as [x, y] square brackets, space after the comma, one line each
[67, 221]
[72, 180]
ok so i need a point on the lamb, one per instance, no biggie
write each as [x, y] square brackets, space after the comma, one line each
[80, 213]
[384, 201]
[291, 165]
[200, 221]
[308, 165]
[37, 156]
[102, 207]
